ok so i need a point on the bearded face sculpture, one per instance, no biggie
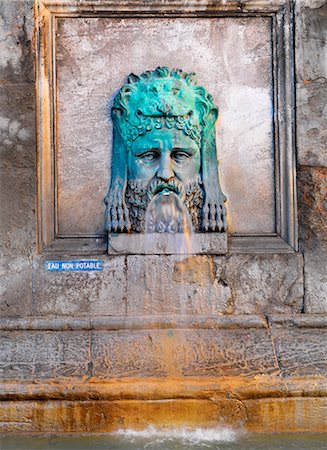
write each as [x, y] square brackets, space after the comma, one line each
[164, 143]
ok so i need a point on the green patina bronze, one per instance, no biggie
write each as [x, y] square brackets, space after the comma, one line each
[164, 138]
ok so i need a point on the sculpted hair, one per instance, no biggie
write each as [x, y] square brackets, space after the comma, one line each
[164, 98]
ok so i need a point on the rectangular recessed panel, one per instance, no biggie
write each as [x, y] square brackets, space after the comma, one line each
[232, 58]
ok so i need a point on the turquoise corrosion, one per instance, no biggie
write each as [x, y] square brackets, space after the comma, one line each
[164, 138]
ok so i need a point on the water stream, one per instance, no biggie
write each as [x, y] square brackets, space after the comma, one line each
[166, 213]
[168, 224]
[178, 439]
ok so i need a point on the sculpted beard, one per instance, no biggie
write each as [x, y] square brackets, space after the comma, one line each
[139, 194]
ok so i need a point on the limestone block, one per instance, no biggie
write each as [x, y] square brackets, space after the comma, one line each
[90, 293]
[316, 280]
[125, 354]
[240, 284]
[182, 353]
[292, 415]
[227, 352]
[312, 123]
[174, 285]
[167, 243]
[16, 31]
[17, 126]
[17, 218]
[301, 348]
[311, 73]
[39, 355]
[260, 284]
[98, 416]
[310, 38]
[268, 403]
[312, 186]
[15, 286]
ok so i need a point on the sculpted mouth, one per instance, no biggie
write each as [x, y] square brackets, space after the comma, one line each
[165, 189]
[158, 186]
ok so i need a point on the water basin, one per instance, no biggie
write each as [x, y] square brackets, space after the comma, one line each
[212, 439]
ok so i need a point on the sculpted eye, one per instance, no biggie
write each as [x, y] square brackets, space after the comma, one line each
[149, 156]
[180, 156]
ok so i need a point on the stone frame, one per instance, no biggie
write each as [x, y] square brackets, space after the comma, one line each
[282, 34]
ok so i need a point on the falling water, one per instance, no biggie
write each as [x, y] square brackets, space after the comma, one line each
[179, 438]
[166, 213]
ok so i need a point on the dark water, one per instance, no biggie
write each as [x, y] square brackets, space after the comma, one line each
[217, 439]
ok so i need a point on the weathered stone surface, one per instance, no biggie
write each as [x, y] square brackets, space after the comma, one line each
[91, 293]
[234, 75]
[167, 243]
[312, 123]
[174, 285]
[315, 280]
[227, 352]
[240, 284]
[311, 73]
[17, 218]
[263, 284]
[108, 295]
[182, 353]
[17, 157]
[293, 415]
[80, 405]
[38, 355]
[300, 350]
[126, 354]
[17, 126]
[312, 186]
[311, 43]
[107, 416]
[15, 286]
[16, 31]
[273, 415]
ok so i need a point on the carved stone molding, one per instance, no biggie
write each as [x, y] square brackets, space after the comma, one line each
[280, 14]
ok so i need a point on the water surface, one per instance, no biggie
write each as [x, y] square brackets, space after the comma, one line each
[213, 439]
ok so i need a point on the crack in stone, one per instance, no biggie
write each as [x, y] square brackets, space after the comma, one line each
[275, 351]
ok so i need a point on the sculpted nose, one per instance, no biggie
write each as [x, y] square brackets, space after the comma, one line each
[165, 171]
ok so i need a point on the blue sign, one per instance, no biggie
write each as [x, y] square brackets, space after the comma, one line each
[79, 265]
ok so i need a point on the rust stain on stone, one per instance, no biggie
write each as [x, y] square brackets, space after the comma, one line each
[312, 201]
[260, 403]
[195, 269]
[168, 359]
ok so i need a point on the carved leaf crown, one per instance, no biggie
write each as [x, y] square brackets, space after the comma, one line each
[162, 98]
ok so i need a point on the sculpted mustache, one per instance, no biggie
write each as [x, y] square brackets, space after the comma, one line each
[156, 185]
[174, 184]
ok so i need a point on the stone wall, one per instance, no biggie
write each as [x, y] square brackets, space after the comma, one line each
[311, 79]
[239, 315]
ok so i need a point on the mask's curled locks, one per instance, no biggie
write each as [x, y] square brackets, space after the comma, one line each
[164, 99]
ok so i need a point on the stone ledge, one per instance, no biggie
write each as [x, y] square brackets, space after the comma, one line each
[111, 323]
[260, 404]
[157, 352]
[167, 244]
[267, 415]
[239, 387]
[299, 320]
